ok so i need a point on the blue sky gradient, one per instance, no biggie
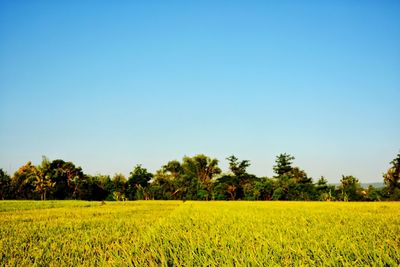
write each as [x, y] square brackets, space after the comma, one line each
[110, 84]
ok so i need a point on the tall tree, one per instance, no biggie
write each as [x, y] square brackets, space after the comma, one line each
[238, 184]
[238, 168]
[66, 177]
[324, 191]
[173, 168]
[301, 186]
[245, 188]
[119, 182]
[163, 185]
[5, 185]
[138, 182]
[92, 187]
[392, 179]
[105, 186]
[199, 172]
[283, 164]
[350, 188]
[203, 167]
[227, 187]
[292, 182]
[43, 183]
[23, 182]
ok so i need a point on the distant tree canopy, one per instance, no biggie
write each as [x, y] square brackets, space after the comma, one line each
[392, 179]
[283, 164]
[138, 183]
[350, 188]
[194, 178]
[6, 191]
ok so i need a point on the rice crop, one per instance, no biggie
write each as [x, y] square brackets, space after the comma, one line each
[176, 233]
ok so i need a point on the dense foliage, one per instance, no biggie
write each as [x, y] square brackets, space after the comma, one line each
[193, 178]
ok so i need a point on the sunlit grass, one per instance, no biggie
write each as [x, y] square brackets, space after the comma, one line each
[143, 233]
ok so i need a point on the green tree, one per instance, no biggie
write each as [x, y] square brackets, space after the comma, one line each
[245, 182]
[264, 188]
[324, 191]
[66, 178]
[292, 183]
[283, 164]
[227, 187]
[283, 184]
[322, 184]
[173, 168]
[350, 188]
[43, 183]
[373, 193]
[301, 186]
[119, 186]
[238, 168]
[23, 182]
[5, 185]
[92, 187]
[198, 174]
[138, 182]
[392, 179]
[163, 186]
[279, 194]
[105, 187]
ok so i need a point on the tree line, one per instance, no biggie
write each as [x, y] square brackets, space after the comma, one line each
[193, 178]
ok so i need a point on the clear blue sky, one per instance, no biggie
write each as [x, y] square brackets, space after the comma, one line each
[110, 84]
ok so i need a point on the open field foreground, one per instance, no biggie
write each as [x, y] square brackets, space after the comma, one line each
[174, 233]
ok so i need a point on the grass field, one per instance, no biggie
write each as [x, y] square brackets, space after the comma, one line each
[174, 233]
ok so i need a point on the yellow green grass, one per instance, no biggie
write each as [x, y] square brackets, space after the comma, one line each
[175, 233]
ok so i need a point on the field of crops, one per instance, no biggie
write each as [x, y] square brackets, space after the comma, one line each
[175, 233]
